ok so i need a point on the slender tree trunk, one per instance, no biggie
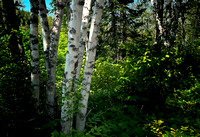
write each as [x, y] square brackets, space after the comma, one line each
[50, 47]
[45, 30]
[168, 24]
[35, 67]
[175, 22]
[12, 23]
[53, 49]
[83, 42]
[68, 11]
[183, 24]
[158, 11]
[194, 29]
[84, 38]
[89, 64]
[71, 66]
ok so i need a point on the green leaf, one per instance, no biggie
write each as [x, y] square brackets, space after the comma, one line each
[167, 56]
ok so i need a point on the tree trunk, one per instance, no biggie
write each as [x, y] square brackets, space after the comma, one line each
[194, 29]
[45, 30]
[12, 23]
[168, 24]
[183, 27]
[50, 47]
[158, 11]
[71, 66]
[83, 41]
[84, 37]
[35, 67]
[51, 71]
[175, 22]
[89, 64]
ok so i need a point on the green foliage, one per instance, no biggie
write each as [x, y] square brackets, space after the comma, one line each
[151, 84]
[15, 94]
[62, 50]
[137, 89]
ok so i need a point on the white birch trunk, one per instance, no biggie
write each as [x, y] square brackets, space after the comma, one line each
[84, 38]
[71, 65]
[35, 67]
[89, 64]
[53, 49]
[156, 10]
[45, 30]
[50, 46]
[168, 24]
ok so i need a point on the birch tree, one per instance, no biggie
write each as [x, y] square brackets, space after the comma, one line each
[50, 47]
[45, 30]
[71, 65]
[84, 38]
[35, 68]
[158, 11]
[168, 24]
[89, 64]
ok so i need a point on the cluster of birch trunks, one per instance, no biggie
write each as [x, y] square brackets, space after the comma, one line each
[79, 14]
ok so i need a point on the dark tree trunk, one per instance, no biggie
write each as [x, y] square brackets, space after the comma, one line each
[12, 23]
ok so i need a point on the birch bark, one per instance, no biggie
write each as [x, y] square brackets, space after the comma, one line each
[84, 38]
[71, 66]
[45, 30]
[168, 24]
[89, 64]
[35, 68]
[158, 11]
[50, 45]
[51, 71]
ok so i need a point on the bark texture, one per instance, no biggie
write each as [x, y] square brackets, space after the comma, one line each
[89, 64]
[168, 24]
[50, 46]
[175, 22]
[194, 29]
[84, 38]
[53, 49]
[71, 66]
[35, 68]
[45, 30]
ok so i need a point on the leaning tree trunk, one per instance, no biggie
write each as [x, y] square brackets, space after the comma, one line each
[35, 67]
[71, 66]
[89, 64]
[83, 41]
[45, 30]
[84, 38]
[50, 45]
[53, 49]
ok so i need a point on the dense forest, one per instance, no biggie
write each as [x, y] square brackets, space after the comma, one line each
[105, 68]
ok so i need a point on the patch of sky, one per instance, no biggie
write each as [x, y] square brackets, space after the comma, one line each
[26, 4]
